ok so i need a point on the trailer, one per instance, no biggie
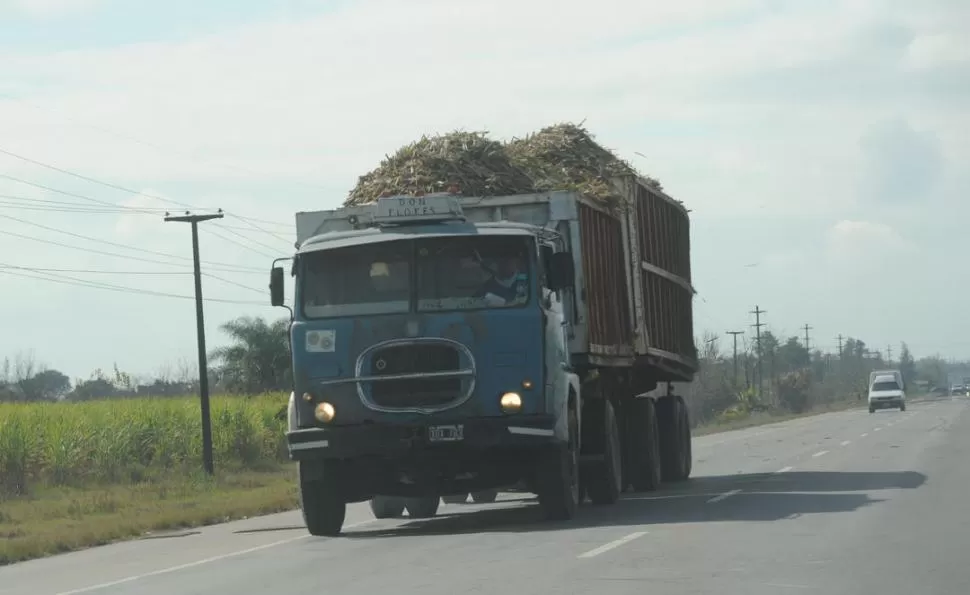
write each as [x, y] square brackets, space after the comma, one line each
[568, 394]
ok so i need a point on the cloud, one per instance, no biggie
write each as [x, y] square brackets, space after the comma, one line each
[902, 164]
[865, 242]
[751, 111]
[47, 8]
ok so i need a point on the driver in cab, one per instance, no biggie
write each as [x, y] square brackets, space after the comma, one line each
[506, 284]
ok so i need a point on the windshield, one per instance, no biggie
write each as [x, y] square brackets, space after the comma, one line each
[885, 385]
[455, 273]
[358, 280]
[463, 273]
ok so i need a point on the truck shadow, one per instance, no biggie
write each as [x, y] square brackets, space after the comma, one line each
[753, 497]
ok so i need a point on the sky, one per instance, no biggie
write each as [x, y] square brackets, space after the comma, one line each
[821, 146]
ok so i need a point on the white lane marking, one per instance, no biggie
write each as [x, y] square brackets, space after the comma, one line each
[845, 443]
[668, 497]
[876, 429]
[788, 585]
[137, 577]
[784, 470]
[863, 435]
[820, 453]
[612, 545]
[723, 496]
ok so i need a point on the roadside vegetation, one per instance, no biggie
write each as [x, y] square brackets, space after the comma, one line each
[87, 468]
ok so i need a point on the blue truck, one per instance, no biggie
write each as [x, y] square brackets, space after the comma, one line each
[446, 345]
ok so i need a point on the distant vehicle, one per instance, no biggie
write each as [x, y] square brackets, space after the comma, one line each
[886, 390]
[894, 373]
[958, 389]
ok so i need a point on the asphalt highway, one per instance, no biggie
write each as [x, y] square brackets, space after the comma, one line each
[841, 503]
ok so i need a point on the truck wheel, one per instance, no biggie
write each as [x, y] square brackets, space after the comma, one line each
[485, 496]
[605, 478]
[386, 507]
[645, 450]
[422, 508]
[686, 461]
[557, 481]
[902, 406]
[459, 499]
[322, 504]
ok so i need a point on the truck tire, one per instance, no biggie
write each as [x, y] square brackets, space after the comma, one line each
[644, 440]
[485, 496]
[322, 503]
[557, 477]
[604, 479]
[453, 499]
[386, 507]
[422, 508]
[675, 444]
[685, 436]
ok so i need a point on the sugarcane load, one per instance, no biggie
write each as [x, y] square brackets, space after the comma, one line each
[483, 316]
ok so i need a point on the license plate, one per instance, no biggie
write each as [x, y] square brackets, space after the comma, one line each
[446, 433]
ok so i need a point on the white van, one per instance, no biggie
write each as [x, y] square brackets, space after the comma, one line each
[887, 391]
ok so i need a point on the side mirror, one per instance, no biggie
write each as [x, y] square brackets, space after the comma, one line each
[562, 273]
[276, 286]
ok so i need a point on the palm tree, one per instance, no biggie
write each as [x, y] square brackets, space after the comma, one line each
[258, 360]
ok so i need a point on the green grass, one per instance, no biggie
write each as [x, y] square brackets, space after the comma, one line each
[128, 440]
[74, 475]
[79, 474]
[739, 420]
[59, 519]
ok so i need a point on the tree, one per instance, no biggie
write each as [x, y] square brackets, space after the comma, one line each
[258, 359]
[48, 385]
[907, 365]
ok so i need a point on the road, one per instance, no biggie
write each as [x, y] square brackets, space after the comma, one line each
[839, 503]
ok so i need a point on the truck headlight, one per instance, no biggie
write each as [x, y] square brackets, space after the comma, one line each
[511, 402]
[324, 412]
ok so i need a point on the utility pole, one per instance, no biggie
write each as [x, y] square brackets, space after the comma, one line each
[840, 345]
[807, 328]
[889, 354]
[735, 335]
[757, 326]
[207, 462]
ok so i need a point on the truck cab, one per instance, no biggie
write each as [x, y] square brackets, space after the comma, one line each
[430, 358]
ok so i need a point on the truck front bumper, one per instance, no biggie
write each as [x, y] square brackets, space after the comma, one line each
[390, 440]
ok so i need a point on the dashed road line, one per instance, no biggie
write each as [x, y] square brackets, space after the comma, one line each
[170, 569]
[863, 435]
[820, 453]
[845, 443]
[723, 496]
[612, 545]
[784, 470]
[876, 429]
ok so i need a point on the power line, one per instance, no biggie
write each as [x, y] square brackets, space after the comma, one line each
[248, 220]
[250, 288]
[110, 243]
[81, 196]
[126, 256]
[239, 235]
[66, 280]
[94, 271]
[238, 243]
[130, 273]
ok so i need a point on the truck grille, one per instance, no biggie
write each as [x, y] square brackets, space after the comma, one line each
[415, 392]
